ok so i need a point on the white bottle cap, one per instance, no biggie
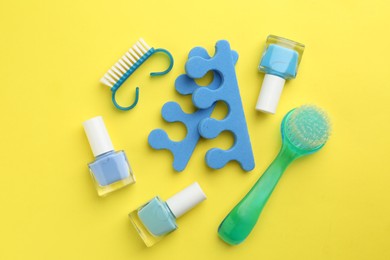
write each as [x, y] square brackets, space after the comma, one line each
[270, 93]
[186, 199]
[97, 135]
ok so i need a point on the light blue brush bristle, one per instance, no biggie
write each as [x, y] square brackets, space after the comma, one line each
[308, 127]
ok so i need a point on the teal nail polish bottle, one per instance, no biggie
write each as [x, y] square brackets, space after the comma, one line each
[156, 219]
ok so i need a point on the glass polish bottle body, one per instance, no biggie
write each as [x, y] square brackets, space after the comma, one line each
[153, 221]
[111, 171]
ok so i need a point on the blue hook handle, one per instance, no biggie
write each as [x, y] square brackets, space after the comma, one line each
[170, 63]
[129, 107]
[137, 65]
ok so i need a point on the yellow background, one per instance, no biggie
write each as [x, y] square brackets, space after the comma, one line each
[331, 205]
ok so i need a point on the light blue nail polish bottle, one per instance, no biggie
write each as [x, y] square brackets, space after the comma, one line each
[110, 170]
[155, 219]
[279, 62]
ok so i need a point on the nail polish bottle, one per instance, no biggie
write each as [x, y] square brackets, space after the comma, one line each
[279, 62]
[157, 218]
[110, 170]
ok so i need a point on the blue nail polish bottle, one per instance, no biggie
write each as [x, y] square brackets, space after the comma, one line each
[110, 170]
[279, 62]
[157, 218]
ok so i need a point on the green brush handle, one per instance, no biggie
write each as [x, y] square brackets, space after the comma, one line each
[240, 221]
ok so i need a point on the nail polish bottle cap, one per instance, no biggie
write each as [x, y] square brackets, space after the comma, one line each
[186, 199]
[97, 135]
[270, 93]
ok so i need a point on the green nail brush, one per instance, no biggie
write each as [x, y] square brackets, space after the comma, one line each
[305, 130]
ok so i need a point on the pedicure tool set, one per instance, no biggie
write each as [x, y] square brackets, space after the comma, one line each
[304, 129]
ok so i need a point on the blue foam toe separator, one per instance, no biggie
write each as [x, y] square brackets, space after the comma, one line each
[228, 92]
[223, 88]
